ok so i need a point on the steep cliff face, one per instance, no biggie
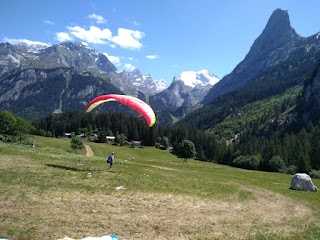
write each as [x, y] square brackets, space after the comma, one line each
[33, 93]
[275, 44]
[309, 102]
[11, 59]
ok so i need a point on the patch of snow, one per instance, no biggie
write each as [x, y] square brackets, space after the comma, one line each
[85, 44]
[200, 78]
[13, 59]
[161, 85]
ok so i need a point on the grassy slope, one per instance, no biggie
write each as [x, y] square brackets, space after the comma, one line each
[46, 194]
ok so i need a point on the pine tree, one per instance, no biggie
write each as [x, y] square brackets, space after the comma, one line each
[303, 165]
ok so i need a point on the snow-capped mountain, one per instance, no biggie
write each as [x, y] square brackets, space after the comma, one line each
[197, 79]
[184, 93]
[187, 90]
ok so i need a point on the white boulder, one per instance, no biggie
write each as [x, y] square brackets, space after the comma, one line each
[302, 182]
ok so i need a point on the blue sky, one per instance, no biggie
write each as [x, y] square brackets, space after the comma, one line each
[159, 37]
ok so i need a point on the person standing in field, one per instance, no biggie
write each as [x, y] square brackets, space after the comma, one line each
[110, 160]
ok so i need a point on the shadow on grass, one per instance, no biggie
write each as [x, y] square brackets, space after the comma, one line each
[84, 169]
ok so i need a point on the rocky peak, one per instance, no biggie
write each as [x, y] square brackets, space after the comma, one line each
[145, 83]
[277, 33]
[274, 45]
[136, 71]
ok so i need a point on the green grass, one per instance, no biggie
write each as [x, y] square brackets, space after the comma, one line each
[28, 175]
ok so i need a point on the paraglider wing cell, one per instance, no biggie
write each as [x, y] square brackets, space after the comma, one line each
[135, 103]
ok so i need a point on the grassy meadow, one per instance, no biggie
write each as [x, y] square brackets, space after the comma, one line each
[49, 192]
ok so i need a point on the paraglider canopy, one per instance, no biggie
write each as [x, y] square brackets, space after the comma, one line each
[135, 103]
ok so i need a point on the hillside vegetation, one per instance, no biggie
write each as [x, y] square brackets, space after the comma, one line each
[48, 192]
[257, 115]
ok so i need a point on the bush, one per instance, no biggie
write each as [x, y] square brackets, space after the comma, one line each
[276, 164]
[250, 162]
[315, 174]
[289, 170]
[76, 143]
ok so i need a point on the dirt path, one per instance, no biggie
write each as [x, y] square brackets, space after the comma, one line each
[88, 151]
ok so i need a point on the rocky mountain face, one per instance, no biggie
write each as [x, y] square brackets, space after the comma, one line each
[277, 43]
[34, 93]
[135, 83]
[67, 55]
[35, 81]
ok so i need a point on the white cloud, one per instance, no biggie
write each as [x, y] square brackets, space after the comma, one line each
[63, 36]
[152, 56]
[128, 38]
[118, 62]
[26, 41]
[93, 35]
[48, 22]
[129, 67]
[114, 59]
[97, 18]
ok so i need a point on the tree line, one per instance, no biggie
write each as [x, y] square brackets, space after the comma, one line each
[288, 153]
[297, 151]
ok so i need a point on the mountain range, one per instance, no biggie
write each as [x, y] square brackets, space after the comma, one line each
[36, 80]
[71, 74]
